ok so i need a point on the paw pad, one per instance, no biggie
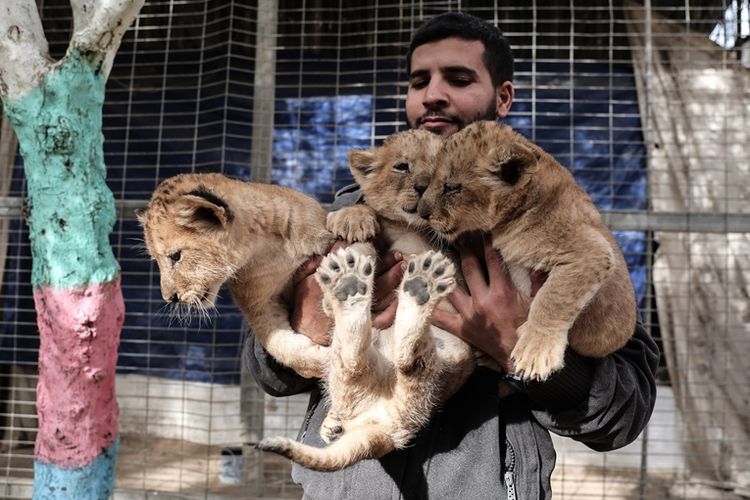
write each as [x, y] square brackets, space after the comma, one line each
[429, 276]
[346, 274]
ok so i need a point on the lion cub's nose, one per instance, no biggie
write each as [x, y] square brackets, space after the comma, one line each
[420, 186]
[424, 211]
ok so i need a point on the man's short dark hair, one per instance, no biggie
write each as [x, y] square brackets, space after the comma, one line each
[497, 57]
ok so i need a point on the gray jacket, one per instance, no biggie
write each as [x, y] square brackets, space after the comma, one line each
[479, 445]
[482, 446]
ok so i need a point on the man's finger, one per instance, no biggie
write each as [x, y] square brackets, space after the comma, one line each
[388, 281]
[448, 321]
[387, 261]
[339, 245]
[495, 264]
[537, 280]
[306, 269]
[461, 301]
[472, 269]
[384, 318]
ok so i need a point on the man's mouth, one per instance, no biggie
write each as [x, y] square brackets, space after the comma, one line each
[435, 121]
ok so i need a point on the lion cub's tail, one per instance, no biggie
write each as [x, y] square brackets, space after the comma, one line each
[353, 446]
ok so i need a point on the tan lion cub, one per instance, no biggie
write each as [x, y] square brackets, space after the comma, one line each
[489, 178]
[384, 384]
[206, 229]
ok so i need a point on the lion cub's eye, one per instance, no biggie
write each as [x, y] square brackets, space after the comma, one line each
[175, 256]
[401, 167]
[451, 188]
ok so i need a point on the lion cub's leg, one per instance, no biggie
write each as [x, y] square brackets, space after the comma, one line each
[569, 288]
[346, 279]
[429, 277]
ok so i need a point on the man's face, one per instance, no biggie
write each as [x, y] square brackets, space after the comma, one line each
[450, 87]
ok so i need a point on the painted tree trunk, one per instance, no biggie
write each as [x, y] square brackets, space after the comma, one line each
[75, 278]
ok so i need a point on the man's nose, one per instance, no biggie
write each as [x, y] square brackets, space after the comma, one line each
[435, 94]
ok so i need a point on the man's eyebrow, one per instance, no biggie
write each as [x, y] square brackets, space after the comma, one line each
[459, 69]
[449, 70]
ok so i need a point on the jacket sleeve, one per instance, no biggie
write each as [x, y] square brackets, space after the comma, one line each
[273, 377]
[604, 403]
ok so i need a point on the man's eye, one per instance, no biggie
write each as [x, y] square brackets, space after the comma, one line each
[401, 167]
[460, 82]
[418, 84]
[175, 256]
[449, 188]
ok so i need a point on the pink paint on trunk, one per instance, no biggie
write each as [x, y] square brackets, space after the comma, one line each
[79, 336]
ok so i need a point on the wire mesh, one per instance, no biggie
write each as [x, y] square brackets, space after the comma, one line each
[280, 91]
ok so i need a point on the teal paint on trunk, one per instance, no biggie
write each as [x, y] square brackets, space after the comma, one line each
[92, 482]
[59, 129]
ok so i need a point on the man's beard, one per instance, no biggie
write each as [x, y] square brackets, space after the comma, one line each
[489, 113]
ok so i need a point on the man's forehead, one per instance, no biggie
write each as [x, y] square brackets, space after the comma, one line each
[448, 54]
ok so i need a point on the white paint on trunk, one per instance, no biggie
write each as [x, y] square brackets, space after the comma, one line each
[104, 28]
[98, 27]
[24, 54]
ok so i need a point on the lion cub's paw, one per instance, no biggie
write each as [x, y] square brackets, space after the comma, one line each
[537, 354]
[429, 277]
[281, 445]
[346, 276]
[331, 428]
[355, 223]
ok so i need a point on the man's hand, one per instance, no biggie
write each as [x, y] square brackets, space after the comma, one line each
[490, 313]
[307, 316]
[389, 271]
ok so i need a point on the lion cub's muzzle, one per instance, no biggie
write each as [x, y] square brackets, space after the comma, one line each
[190, 297]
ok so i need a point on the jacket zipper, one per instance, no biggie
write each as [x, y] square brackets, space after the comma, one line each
[510, 485]
[308, 417]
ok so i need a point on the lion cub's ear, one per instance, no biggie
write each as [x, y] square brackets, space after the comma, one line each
[362, 164]
[511, 162]
[202, 211]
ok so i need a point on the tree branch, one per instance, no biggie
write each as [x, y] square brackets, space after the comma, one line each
[102, 31]
[24, 54]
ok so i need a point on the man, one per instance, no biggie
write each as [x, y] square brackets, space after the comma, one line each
[491, 439]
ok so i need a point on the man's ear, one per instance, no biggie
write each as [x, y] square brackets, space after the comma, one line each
[504, 94]
[202, 211]
[362, 164]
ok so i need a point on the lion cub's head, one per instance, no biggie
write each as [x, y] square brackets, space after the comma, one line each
[186, 231]
[394, 176]
[480, 179]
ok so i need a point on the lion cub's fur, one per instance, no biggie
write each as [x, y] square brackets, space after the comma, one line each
[205, 229]
[489, 178]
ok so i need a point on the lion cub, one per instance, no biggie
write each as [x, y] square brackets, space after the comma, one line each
[489, 178]
[383, 385]
[206, 229]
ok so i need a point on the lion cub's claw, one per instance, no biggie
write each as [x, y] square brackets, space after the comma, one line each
[537, 355]
[346, 275]
[429, 276]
